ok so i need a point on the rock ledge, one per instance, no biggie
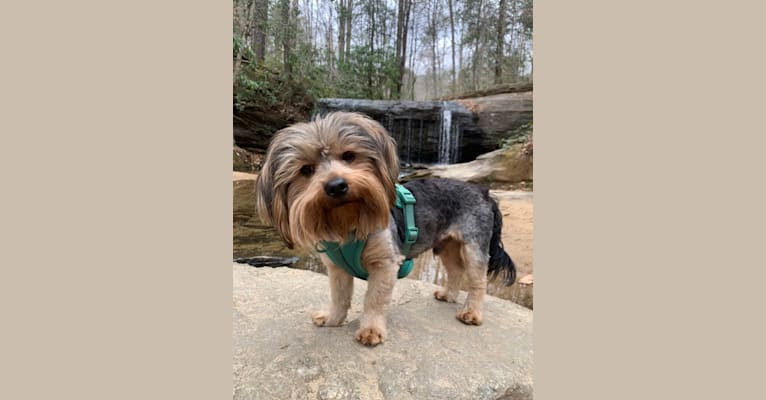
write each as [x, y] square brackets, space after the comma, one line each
[280, 354]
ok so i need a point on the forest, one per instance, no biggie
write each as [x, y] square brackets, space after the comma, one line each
[293, 52]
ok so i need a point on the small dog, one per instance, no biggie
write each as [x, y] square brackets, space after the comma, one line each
[335, 176]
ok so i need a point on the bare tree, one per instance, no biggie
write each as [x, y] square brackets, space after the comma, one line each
[287, 9]
[329, 45]
[261, 16]
[499, 55]
[246, 10]
[433, 29]
[349, 19]
[477, 41]
[341, 29]
[402, 28]
[452, 33]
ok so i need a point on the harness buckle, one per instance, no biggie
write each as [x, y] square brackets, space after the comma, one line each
[411, 235]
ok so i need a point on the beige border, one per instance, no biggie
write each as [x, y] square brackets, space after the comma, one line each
[116, 210]
[115, 159]
[648, 171]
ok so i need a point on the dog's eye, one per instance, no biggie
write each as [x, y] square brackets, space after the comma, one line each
[307, 170]
[348, 156]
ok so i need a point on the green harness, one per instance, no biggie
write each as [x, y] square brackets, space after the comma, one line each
[349, 255]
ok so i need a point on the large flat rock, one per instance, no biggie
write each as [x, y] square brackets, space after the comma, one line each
[428, 354]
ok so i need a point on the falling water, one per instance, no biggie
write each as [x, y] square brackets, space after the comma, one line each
[445, 137]
[450, 137]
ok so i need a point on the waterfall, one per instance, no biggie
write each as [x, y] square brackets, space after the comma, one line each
[425, 131]
[450, 137]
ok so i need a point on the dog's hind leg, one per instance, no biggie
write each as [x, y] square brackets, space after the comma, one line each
[341, 289]
[476, 274]
[450, 254]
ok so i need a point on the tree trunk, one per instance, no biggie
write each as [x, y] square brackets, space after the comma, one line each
[349, 18]
[402, 28]
[286, 35]
[341, 31]
[477, 41]
[501, 20]
[461, 75]
[433, 48]
[261, 12]
[452, 32]
[412, 60]
[240, 51]
[329, 45]
[372, 49]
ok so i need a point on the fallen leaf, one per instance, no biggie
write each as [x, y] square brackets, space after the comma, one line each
[526, 280]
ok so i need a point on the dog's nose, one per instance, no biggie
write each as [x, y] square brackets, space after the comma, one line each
[337, 187]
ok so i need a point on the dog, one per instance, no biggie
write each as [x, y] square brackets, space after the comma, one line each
[333, 179]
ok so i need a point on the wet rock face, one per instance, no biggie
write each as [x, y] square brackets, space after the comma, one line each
[443, 132]
[428, 354]
[427, 132]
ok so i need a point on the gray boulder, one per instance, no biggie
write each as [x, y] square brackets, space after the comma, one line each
[499, 115]
[428, 354]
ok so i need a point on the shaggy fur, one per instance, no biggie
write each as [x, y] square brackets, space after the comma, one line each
[459, 221]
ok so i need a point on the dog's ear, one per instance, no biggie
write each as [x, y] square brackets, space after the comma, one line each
[388, 163]
[271, 201]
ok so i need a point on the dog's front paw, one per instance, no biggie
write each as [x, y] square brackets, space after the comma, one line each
[323, 318]
[469, 317]
[443, 295]
[370, 336]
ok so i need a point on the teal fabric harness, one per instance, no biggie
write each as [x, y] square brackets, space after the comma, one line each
[349, 255]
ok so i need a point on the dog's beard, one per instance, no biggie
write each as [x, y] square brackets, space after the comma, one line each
[364, 210]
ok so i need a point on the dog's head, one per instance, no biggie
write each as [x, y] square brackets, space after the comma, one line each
[324, 179]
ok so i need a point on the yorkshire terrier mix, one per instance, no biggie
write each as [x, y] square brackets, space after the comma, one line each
[334, 178]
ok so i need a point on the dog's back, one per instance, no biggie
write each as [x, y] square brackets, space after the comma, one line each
[461, 218]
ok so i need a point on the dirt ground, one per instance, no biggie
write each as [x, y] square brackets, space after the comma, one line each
[518, 233]
[518, 239]
[518, 222]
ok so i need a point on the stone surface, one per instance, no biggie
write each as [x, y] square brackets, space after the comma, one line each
[428, 354]
[498, 115]
[509, 165]
[244, 161]
[244, 196]
[256, 124]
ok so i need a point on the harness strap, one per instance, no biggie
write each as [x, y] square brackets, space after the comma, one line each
[349, 255]
[405, 200]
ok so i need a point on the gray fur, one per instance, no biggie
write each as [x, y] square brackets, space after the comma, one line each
[444, 206]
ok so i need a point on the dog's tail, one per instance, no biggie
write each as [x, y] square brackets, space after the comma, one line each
[500, 263]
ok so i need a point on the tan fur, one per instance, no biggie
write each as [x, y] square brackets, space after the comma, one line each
[341, 289]
[381, 259]
[461, 259]
[295, 204]
[452, 258]
[476, 275]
